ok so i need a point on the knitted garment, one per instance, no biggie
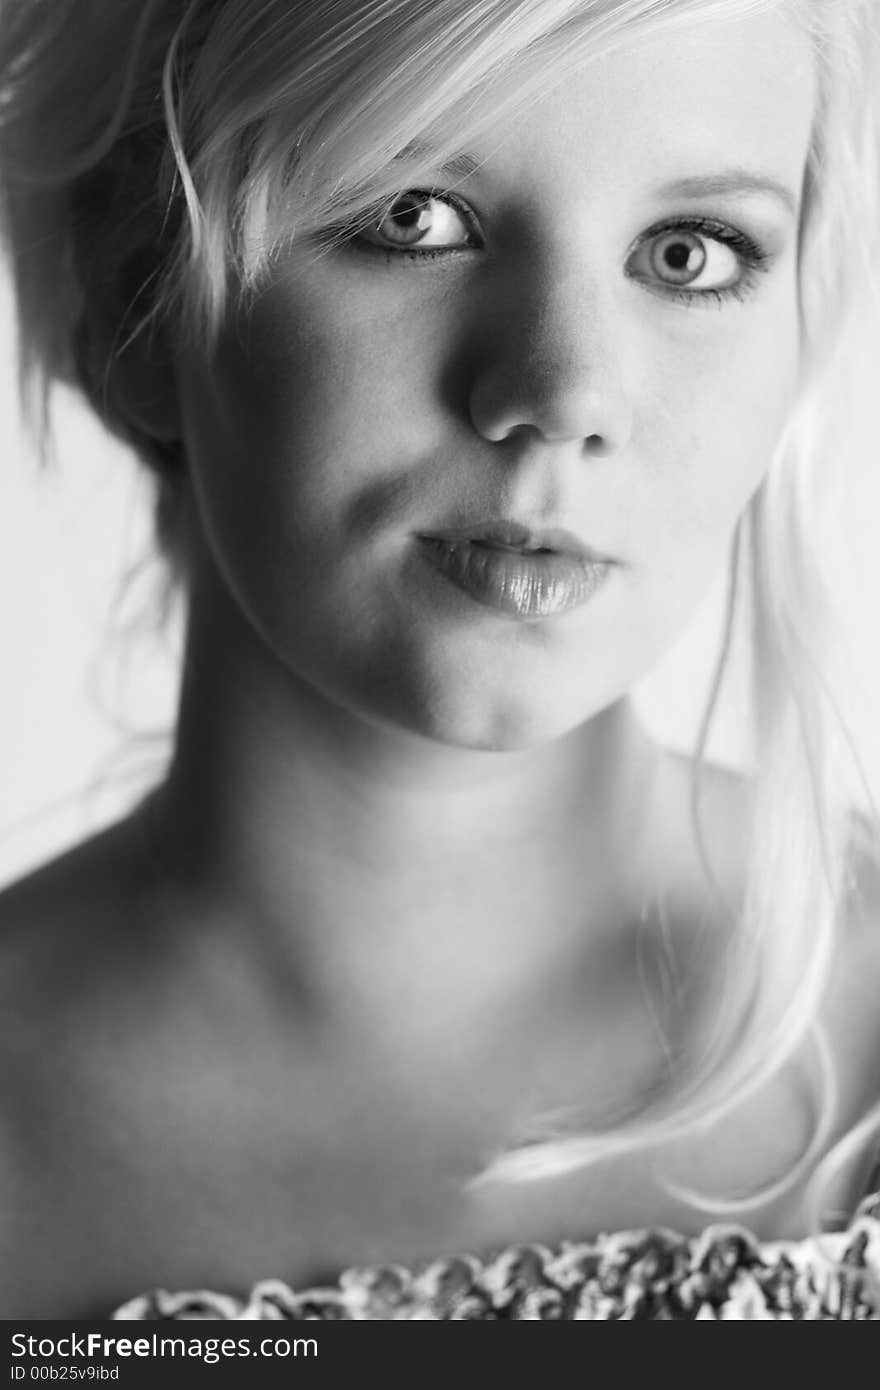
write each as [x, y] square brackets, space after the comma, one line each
[725, 1273]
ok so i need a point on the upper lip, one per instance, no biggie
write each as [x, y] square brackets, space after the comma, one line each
[516, 535]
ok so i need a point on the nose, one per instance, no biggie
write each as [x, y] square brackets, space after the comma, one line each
[554, 367]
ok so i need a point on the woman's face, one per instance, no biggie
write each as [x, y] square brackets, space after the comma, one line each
[594, 332]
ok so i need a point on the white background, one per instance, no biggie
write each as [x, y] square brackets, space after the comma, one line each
[87, 682]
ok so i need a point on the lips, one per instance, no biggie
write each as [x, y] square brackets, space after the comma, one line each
[518, 571]
[512, 535]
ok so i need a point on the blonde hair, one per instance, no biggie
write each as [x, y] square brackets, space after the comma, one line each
[157, 156]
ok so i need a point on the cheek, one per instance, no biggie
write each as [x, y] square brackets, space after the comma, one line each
[300, 407]
[718, 418]
[313, 437]
[326, 366]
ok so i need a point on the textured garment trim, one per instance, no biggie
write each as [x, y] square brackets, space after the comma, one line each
[723, 1274]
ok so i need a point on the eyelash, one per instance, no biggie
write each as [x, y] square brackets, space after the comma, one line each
[753, 257]
[430, 253]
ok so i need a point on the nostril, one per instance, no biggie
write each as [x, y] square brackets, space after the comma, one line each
[597, 445]
[590, 411]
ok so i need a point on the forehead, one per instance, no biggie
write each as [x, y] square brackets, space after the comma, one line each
[739, 91]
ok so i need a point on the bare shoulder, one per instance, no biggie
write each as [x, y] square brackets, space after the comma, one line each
[66, 928]
[93, 968]
[70, 950]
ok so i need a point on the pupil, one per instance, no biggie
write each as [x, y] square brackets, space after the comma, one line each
[409, 213]
[406, 221]
[678, 256]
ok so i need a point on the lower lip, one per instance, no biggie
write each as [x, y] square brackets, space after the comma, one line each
[523, 584]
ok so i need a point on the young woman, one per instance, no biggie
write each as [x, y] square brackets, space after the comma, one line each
[467, 342]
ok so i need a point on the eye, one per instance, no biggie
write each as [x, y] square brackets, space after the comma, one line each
[421, 220]
[698, 257]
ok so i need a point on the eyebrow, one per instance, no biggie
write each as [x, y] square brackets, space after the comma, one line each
[460, 166]
[727, 182]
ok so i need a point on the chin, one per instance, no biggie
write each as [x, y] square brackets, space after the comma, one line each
[492, 726]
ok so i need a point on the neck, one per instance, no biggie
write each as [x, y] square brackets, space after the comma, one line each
[305, 819]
